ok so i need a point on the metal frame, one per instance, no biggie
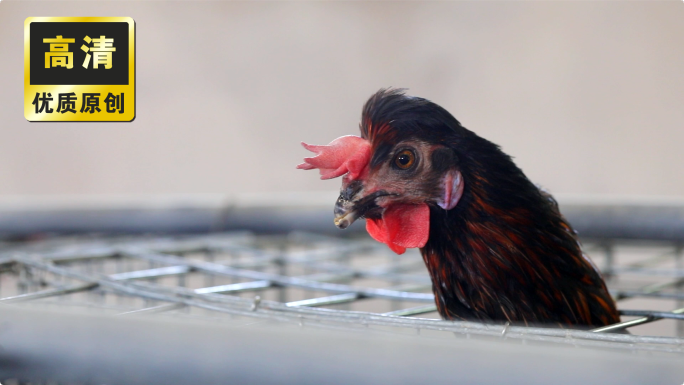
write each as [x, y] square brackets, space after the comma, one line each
[50, 271]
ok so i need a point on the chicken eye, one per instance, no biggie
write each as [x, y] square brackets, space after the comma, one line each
[404, 159]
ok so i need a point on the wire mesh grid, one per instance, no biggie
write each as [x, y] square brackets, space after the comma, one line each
[318, 281]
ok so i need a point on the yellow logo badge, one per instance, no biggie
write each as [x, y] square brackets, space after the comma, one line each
[79, 69]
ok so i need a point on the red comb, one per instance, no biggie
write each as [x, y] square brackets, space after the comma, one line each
[346, 154]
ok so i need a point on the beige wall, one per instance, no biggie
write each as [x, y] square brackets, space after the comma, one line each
[587, 96]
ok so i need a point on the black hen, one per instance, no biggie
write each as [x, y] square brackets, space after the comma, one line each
[496, 247]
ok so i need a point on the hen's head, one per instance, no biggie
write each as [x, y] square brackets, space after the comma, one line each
[404, 162]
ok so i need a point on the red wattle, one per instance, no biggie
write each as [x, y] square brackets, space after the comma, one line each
[402, 226]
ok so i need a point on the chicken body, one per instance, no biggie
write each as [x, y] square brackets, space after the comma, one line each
[496, 247]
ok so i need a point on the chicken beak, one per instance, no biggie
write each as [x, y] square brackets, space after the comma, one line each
[345, 214]
[353, 204]
[346, 209]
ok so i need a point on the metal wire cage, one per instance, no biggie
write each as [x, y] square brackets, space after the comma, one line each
[317, 280]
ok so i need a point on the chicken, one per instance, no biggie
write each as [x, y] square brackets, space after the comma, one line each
[496, 247]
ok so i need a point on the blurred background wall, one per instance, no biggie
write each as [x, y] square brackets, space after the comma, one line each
[587, 96]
